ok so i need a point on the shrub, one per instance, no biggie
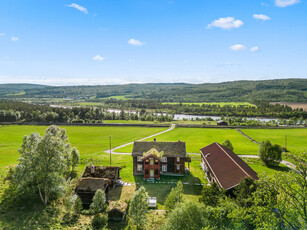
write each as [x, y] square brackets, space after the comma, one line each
[100, 221]
[99, 202]
[270, 154]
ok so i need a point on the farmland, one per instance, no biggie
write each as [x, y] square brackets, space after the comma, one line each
[197, 138]
[213, 103]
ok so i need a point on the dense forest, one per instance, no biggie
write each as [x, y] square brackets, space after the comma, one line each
[285, 90]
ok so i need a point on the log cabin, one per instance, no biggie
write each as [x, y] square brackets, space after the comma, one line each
[224, 167]
[153, 158]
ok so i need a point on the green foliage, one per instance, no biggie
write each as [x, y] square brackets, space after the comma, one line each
[75, 157]
[100, 221]
[244, 191]
[211, 194]
[78, 205]
[42, 164]
[187, 216]
[174, 197]
[228, 145]
[270, 154]
[99, 202]
[138, 208]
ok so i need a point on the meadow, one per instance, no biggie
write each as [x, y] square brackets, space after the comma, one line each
[197, 138]
[296, 138]
[212, 103]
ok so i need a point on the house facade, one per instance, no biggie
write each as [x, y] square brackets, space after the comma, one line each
[224, 167]
[153, 159]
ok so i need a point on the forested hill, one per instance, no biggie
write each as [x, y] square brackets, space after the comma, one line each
[17, 89]
[286, 90]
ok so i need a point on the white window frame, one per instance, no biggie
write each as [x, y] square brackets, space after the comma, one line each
[178, 167]
[164, 159]
[178, 159]
[152, 161]
[164, 168]
[139, 167]
[139, 158]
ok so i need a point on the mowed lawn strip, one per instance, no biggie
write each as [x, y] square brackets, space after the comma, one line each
[197, 138]
[90, 141]
[296, 138]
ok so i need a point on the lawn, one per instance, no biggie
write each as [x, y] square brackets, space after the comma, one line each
[296, 138]
[197, 138]
[90, 141]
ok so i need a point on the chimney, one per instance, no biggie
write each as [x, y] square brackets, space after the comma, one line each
[155, 139]
[92, 169]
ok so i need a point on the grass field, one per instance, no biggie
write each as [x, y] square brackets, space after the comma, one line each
[90, 141]
[213, 103]
[296, 138]
[197, 138]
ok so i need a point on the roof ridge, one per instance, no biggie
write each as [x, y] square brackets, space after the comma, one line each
[233, 159]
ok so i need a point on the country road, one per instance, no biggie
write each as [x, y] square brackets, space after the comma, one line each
[156, 134]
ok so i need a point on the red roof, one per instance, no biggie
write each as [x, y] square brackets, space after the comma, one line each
[227, 167]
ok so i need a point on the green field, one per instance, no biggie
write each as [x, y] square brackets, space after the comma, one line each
[296, 138]
[212, 103]
[197, 138]
[90, 141]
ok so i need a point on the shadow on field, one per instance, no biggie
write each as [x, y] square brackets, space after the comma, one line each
[115, 193]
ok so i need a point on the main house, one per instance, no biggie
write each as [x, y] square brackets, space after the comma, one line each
[224, 167]
[153, 158]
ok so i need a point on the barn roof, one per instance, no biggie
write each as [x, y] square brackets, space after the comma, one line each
[89, 184]
[118, 205]
[175, 149]
[108, 172]
[227, 167]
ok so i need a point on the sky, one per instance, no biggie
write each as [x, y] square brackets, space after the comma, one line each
[60, 42]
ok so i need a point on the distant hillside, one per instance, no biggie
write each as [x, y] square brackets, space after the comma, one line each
[16, 89]
[285, 90]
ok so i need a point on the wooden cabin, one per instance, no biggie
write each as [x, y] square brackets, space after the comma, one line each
[154, 158]
[224, 167]
[117, 210]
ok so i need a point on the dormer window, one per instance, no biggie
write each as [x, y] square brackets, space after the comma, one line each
[178, 159]
[139, 158]
[164, 159]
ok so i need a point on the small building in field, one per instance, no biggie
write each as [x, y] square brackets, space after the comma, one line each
[153, 158]
[117, 210]
[108, 172]
[224, 167]
[222, 123]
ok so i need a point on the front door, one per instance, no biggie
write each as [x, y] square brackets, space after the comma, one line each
[151, 173]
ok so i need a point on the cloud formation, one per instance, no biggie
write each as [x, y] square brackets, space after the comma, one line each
[238, 47]
[226, 23]
[135, 42]
[254, 49]
[285, 3]
[14, 39]
[98, 58]
[78, 7]
[261, 17]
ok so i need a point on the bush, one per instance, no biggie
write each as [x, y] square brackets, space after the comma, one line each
[270, 154]
[228, 145]
[99, 202]
[100, 221]
[78, 205]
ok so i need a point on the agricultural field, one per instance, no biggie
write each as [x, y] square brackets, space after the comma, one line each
[213, 103]
[293, 105]
[197, 138]
[90, 141]
[296, 138]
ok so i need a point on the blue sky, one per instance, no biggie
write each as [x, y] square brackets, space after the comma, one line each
[62, 42]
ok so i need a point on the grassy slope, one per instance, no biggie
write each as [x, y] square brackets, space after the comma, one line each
[90, 141]
[296, 138]
[196, 138]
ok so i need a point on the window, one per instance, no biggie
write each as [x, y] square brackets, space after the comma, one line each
[156, 172]
[139, 158]
[164, 168]
[146, 171]
[178, 167]
[178, 159]
[164, 159]
[156, 162]
[140, 167]
[151, 161]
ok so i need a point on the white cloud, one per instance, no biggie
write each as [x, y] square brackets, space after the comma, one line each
[226, 23]
[2, 34]
[254, 49]
[78, 7]
[261, 17]
[237, 47]
[264, 4]
[135, 42]
[285, 3]
[98, 58]
[14, 39]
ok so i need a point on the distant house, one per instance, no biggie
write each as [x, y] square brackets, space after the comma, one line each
[224, 167]
[117, 210]
[94, 178]
[221, 123]
[154, 158]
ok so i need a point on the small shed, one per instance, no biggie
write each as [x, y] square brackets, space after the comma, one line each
[87, 188]
[222, 123]
[107, 172]
[117, 210]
